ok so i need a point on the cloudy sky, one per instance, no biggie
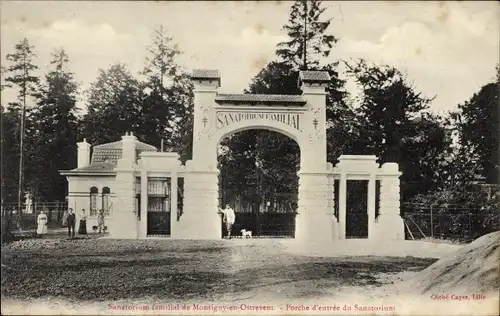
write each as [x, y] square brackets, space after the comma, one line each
[448, 49]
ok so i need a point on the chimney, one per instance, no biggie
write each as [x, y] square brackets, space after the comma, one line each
[128, 149]
[83, 154]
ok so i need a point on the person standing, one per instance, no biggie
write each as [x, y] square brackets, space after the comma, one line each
[41, 221]
[71, 220]
[65, 218]
[229, 217]
[82, 230]
[100, 221]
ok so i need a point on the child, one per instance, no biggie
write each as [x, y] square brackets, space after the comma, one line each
[100, 221]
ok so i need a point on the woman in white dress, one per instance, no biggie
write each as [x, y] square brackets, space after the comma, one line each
[41, 221]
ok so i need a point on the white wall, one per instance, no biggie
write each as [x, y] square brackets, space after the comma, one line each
[79, 195]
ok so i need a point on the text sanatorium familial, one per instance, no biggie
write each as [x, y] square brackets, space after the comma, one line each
[227, 118]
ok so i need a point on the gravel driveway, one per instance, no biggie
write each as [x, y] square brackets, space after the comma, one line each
[101, 271]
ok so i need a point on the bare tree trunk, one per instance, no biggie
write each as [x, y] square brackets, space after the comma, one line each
[21, 157]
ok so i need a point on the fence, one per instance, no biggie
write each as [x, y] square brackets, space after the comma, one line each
[272, 216]
[54, 211]
[268, 225]
[452, 222]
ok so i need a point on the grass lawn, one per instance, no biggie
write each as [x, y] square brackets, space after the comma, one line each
[100, 270]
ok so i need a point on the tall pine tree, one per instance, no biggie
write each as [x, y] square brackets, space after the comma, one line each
[20, 74]
[308, 43]
[168, 101]
[56, 120]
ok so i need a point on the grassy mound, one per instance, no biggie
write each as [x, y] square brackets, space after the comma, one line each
[472, 269]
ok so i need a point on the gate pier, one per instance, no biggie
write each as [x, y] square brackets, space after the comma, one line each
[315, 219]
[200, 218]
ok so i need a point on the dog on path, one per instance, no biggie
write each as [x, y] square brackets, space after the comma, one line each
[246, 233]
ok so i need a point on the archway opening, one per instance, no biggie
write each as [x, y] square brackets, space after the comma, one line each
[258, 179]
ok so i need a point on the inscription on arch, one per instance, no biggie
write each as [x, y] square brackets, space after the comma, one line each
[226, 118]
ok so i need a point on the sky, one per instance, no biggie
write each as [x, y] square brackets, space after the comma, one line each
[446, 49]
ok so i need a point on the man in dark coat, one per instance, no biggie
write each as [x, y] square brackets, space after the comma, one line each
[71, 223]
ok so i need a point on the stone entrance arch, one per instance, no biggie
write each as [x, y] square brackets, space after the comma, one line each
[300, 117]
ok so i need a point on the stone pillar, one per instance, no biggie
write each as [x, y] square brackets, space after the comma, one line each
[123, 221]
[371, 205]
[390, 225]
[205, 83]
[173, 203]
[315, 220]
[342, 205]
[143, 231]
[83, 154]
[200, 218]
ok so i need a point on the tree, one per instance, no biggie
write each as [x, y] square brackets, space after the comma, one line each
[477, 123]
[168, 102]
[3, 85]
[114, 106]
[55, 140]
[10, 154]
[307, 48]
[395, 125]
[308, 44]
[20, 73]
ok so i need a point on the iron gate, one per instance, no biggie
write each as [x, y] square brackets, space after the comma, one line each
[158, 207]
[356, 209]
[275, 219]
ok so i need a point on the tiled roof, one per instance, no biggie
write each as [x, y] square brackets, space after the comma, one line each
[118, 145]
[112, 152]
[314, 76]
[97, 167]
[105, 156]
[205, 74]
[277, 99]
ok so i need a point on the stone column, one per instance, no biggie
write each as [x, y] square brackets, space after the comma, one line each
[371, 206]
[173, 203]
[200, 219]
[342, 205]
[124, 219]
[123, 222]
[315, 219]
[390, 225]
[143, 231]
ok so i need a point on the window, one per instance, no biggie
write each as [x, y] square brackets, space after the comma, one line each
[106, 200]
[93, 201]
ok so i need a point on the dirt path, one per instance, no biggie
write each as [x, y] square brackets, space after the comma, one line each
[89, 275]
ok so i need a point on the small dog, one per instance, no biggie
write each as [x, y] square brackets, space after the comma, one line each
[246, 233]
